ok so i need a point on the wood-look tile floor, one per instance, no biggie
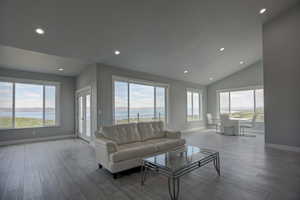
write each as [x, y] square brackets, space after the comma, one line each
[66, 169]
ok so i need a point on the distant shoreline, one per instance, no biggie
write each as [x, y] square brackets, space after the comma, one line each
[26, 109]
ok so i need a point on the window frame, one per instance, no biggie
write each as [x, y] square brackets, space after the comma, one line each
[252, 88]
[15, 81]
[142, 82]
[200, 94]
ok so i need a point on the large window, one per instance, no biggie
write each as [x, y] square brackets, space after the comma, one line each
[25, 104]
[138, 101]
[242, 103]
[194, 101]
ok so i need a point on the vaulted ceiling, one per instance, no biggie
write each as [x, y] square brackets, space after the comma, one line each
[163, 37]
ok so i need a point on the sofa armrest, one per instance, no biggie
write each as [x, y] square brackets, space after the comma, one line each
[173, 134]
[110, 145]
[103, 148]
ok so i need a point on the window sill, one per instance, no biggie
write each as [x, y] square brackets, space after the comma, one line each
[38, 127]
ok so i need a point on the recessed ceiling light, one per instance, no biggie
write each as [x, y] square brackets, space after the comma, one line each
[117, 52]
[222, 49]
[211, 78]
[186, 71]
[60, 69]
[39, 31]
[241, 62]
[262, 11]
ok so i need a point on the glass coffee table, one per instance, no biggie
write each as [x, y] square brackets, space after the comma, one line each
[175, 164]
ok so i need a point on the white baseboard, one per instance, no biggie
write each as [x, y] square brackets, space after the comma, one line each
[283, 147]
[59, 137]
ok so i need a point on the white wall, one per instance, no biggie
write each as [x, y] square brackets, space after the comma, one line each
[67, 92]
[250, 76]
[177, 98]
[281, 49]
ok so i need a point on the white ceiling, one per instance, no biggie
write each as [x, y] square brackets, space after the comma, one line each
[26, 60]
[154, 36]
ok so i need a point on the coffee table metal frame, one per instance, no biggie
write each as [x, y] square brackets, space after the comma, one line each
[174, 177]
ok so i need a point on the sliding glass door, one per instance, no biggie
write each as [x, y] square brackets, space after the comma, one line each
[84, 114]
[138, 101]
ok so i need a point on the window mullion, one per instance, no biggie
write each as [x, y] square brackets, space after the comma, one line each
[200, 105]
[44, 105]
[128, 102]
[14, 106]
[230, 102]
[192, 105]
[57, 105]
[254, 98]
[166, 111]
[155, 117]
[219, 101]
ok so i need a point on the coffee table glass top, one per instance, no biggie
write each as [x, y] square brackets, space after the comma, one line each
[176, 160]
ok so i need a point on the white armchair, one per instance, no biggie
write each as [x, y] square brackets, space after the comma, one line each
[229, 126]
[212, 121]
[248, 125]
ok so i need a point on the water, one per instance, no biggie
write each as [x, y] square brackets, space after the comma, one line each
[35, 115]
[121, 114]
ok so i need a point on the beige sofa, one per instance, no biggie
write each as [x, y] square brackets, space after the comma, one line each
[122, 147]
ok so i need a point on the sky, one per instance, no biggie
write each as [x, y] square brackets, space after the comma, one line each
[27, 95]
[141, 96]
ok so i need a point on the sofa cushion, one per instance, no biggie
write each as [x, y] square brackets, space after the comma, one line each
[122, 134]
[151, 130]
[132, 150]
[165, 144]
[158, 128]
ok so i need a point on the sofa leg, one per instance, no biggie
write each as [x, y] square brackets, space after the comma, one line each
[100, 166]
